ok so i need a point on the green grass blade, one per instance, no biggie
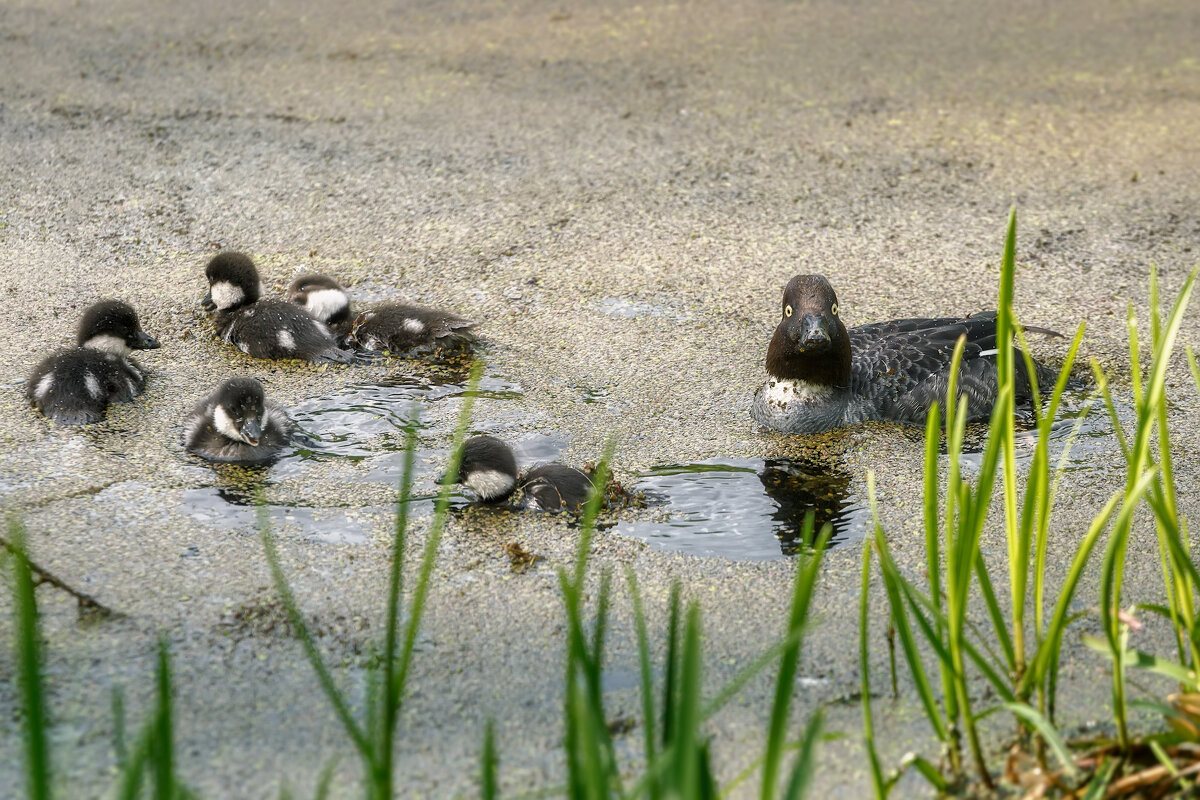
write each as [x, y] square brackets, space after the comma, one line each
[649, 740]
[929, 772]
[488, 787]
[120, 747]
[671, 676]
[805, 764]
[864, 671]
[1046, 660]
[441, 512]
[163, 744]
[892, 581]
[687, 730]
[1048, 732]
[807, 568]
[391, 699]
[29, 669]
[310, 648]
[325, 780]
[994, 613]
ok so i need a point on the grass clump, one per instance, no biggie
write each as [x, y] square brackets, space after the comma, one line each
[1017, 653]
[153, 755]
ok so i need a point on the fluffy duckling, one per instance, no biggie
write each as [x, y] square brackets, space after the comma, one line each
[74, 386]
[399, 329]
[489, 469]
[236, 424]
[262, 327]
[823, 375]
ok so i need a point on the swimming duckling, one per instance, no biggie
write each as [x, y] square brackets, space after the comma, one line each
[74, 386]
[262, 327]
[823, 375]
[489, 469]
[236, 424]
[398, 329]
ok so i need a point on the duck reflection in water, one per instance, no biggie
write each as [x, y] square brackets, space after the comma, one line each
[799, 486]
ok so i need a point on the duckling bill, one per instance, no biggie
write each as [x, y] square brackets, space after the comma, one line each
[237, 424]
[489, 470]
[399, 329]
[75, 386]
[823, 375]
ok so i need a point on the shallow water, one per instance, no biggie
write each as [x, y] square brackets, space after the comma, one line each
[741, 509]
[234, 509]
[745, 509]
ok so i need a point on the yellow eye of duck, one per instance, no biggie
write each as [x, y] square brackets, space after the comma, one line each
[787, 311]
[833, 310]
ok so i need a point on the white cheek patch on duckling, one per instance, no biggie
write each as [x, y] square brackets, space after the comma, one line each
[93, 385]
[489, 483]
[44, 386]
[225, 295]
[225, 425]
[784, 392]
[108, 343]
[286, 340]
[324, 303]
[414, 326]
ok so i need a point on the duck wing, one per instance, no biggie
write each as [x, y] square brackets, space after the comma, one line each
[902, 367]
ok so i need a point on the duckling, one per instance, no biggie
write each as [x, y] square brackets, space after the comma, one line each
[236, 424]
[74, 386]
[262, 327]
[402, 330]
[489, 469]
[823, 376]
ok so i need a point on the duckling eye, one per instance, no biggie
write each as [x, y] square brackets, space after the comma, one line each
[833, 310]
[787, 311]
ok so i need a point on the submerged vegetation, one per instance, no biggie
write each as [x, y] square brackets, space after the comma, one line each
[981, 640]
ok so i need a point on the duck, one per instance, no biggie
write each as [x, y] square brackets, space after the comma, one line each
[237, 424]
[823, 376]
[75, 385]
[489, 469]
[401, 330]
[263, 327]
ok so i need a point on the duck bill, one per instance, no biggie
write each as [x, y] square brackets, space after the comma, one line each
[251, 432]
[814, 332]
[207, 303]
[144, 341]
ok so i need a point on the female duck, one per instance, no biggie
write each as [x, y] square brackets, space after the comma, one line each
[823, 376]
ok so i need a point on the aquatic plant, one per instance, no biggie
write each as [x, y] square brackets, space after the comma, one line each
[374, 737]
[154, 751]
[1020, 662]
[676, 756]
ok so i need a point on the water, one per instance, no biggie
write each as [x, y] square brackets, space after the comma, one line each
[745, 509]
[1081, 438]
[233, 509]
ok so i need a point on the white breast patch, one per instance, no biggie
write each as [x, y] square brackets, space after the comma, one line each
[44, 386]
[783, 392]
